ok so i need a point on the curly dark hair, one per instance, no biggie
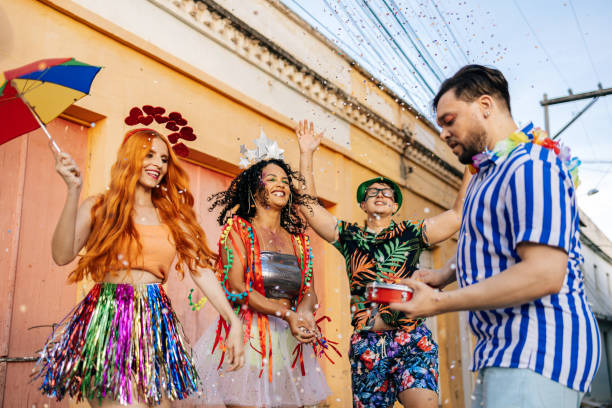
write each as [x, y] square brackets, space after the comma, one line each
[235, 200]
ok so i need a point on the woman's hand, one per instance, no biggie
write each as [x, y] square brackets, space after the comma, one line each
[306, 313]
[310, 324]
[68, 169]
[299, 327]
[308, 140]
[235, 346]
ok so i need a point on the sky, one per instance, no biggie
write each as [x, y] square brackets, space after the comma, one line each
[544, 46]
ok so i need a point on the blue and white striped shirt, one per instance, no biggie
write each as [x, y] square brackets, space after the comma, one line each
[528, 196]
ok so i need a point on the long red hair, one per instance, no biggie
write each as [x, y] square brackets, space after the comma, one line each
[112, 227]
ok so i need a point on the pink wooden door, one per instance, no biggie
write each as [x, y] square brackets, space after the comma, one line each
[33, 290]
[203, 182]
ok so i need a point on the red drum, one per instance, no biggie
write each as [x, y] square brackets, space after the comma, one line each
[388, 292]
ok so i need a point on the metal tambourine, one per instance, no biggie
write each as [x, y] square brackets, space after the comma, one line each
[388, 292]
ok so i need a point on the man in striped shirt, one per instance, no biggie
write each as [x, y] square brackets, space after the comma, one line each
[518, 255]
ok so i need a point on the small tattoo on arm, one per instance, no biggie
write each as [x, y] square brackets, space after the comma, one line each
[424, 233]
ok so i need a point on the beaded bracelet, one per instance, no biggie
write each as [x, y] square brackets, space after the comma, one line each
[198, 305]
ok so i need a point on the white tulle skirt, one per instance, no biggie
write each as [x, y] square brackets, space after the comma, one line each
[288, 388]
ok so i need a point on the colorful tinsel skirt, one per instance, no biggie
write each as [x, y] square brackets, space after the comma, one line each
[122, 342]
[287, 386]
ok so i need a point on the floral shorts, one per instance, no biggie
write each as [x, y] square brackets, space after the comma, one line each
[385, 363]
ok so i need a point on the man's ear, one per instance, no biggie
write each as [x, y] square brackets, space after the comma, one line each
[486, 103]
[395, 207]
[362, 205]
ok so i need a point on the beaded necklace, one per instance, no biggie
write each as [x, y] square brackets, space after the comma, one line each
[301, 244]
[254, 281]
[305, 266]
[229, 255]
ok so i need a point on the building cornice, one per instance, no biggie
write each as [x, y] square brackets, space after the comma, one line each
[278, 4]
[222, 26]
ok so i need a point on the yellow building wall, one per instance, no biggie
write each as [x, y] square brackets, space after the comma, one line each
[136, 73]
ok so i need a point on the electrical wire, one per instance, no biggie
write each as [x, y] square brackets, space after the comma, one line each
[416, 70]
[402, 62]
[414, 39]
[588, 52]
[318, 25]
[541, 45]
[347, 48]
[450, 31]
[586, 47]
[393, 78]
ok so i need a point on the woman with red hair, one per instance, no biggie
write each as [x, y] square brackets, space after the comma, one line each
[123, 344]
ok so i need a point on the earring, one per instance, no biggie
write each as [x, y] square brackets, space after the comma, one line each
[251, 199]
[290, 198]
[486, 114]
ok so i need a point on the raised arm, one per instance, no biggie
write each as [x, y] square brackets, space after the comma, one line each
[321, 220]
[443, 226]
[74, 225]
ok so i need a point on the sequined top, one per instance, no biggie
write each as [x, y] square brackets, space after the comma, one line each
[281, 275]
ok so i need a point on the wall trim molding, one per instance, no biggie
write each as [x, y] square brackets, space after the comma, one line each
[219, 24]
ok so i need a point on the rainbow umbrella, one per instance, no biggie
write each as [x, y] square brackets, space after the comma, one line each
[37, 93]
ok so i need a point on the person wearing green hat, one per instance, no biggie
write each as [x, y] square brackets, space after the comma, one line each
[392, 356]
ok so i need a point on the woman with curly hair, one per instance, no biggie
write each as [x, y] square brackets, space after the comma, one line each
[265, 266]
[123, 344]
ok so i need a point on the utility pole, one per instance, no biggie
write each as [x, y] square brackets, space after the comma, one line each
[545, 102]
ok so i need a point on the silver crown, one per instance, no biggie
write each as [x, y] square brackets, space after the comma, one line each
[266, 149]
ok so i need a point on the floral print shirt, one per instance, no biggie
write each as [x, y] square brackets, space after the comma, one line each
[385, 257]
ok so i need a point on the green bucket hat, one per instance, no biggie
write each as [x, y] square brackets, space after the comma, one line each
[361, 190]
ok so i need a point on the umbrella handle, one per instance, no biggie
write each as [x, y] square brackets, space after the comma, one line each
[44, 128]
[42, 125]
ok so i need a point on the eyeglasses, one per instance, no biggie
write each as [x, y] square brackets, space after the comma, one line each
[373, 192]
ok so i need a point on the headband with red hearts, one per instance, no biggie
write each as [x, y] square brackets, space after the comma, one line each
[174, 122]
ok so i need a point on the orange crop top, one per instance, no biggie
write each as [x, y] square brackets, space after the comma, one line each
[158, 250]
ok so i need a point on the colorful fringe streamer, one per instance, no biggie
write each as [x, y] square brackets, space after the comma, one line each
[121, 338]
[321, 346]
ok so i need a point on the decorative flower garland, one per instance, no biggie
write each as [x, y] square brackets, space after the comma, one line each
[528, 135]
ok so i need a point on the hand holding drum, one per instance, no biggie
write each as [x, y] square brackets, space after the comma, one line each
[379, 292]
